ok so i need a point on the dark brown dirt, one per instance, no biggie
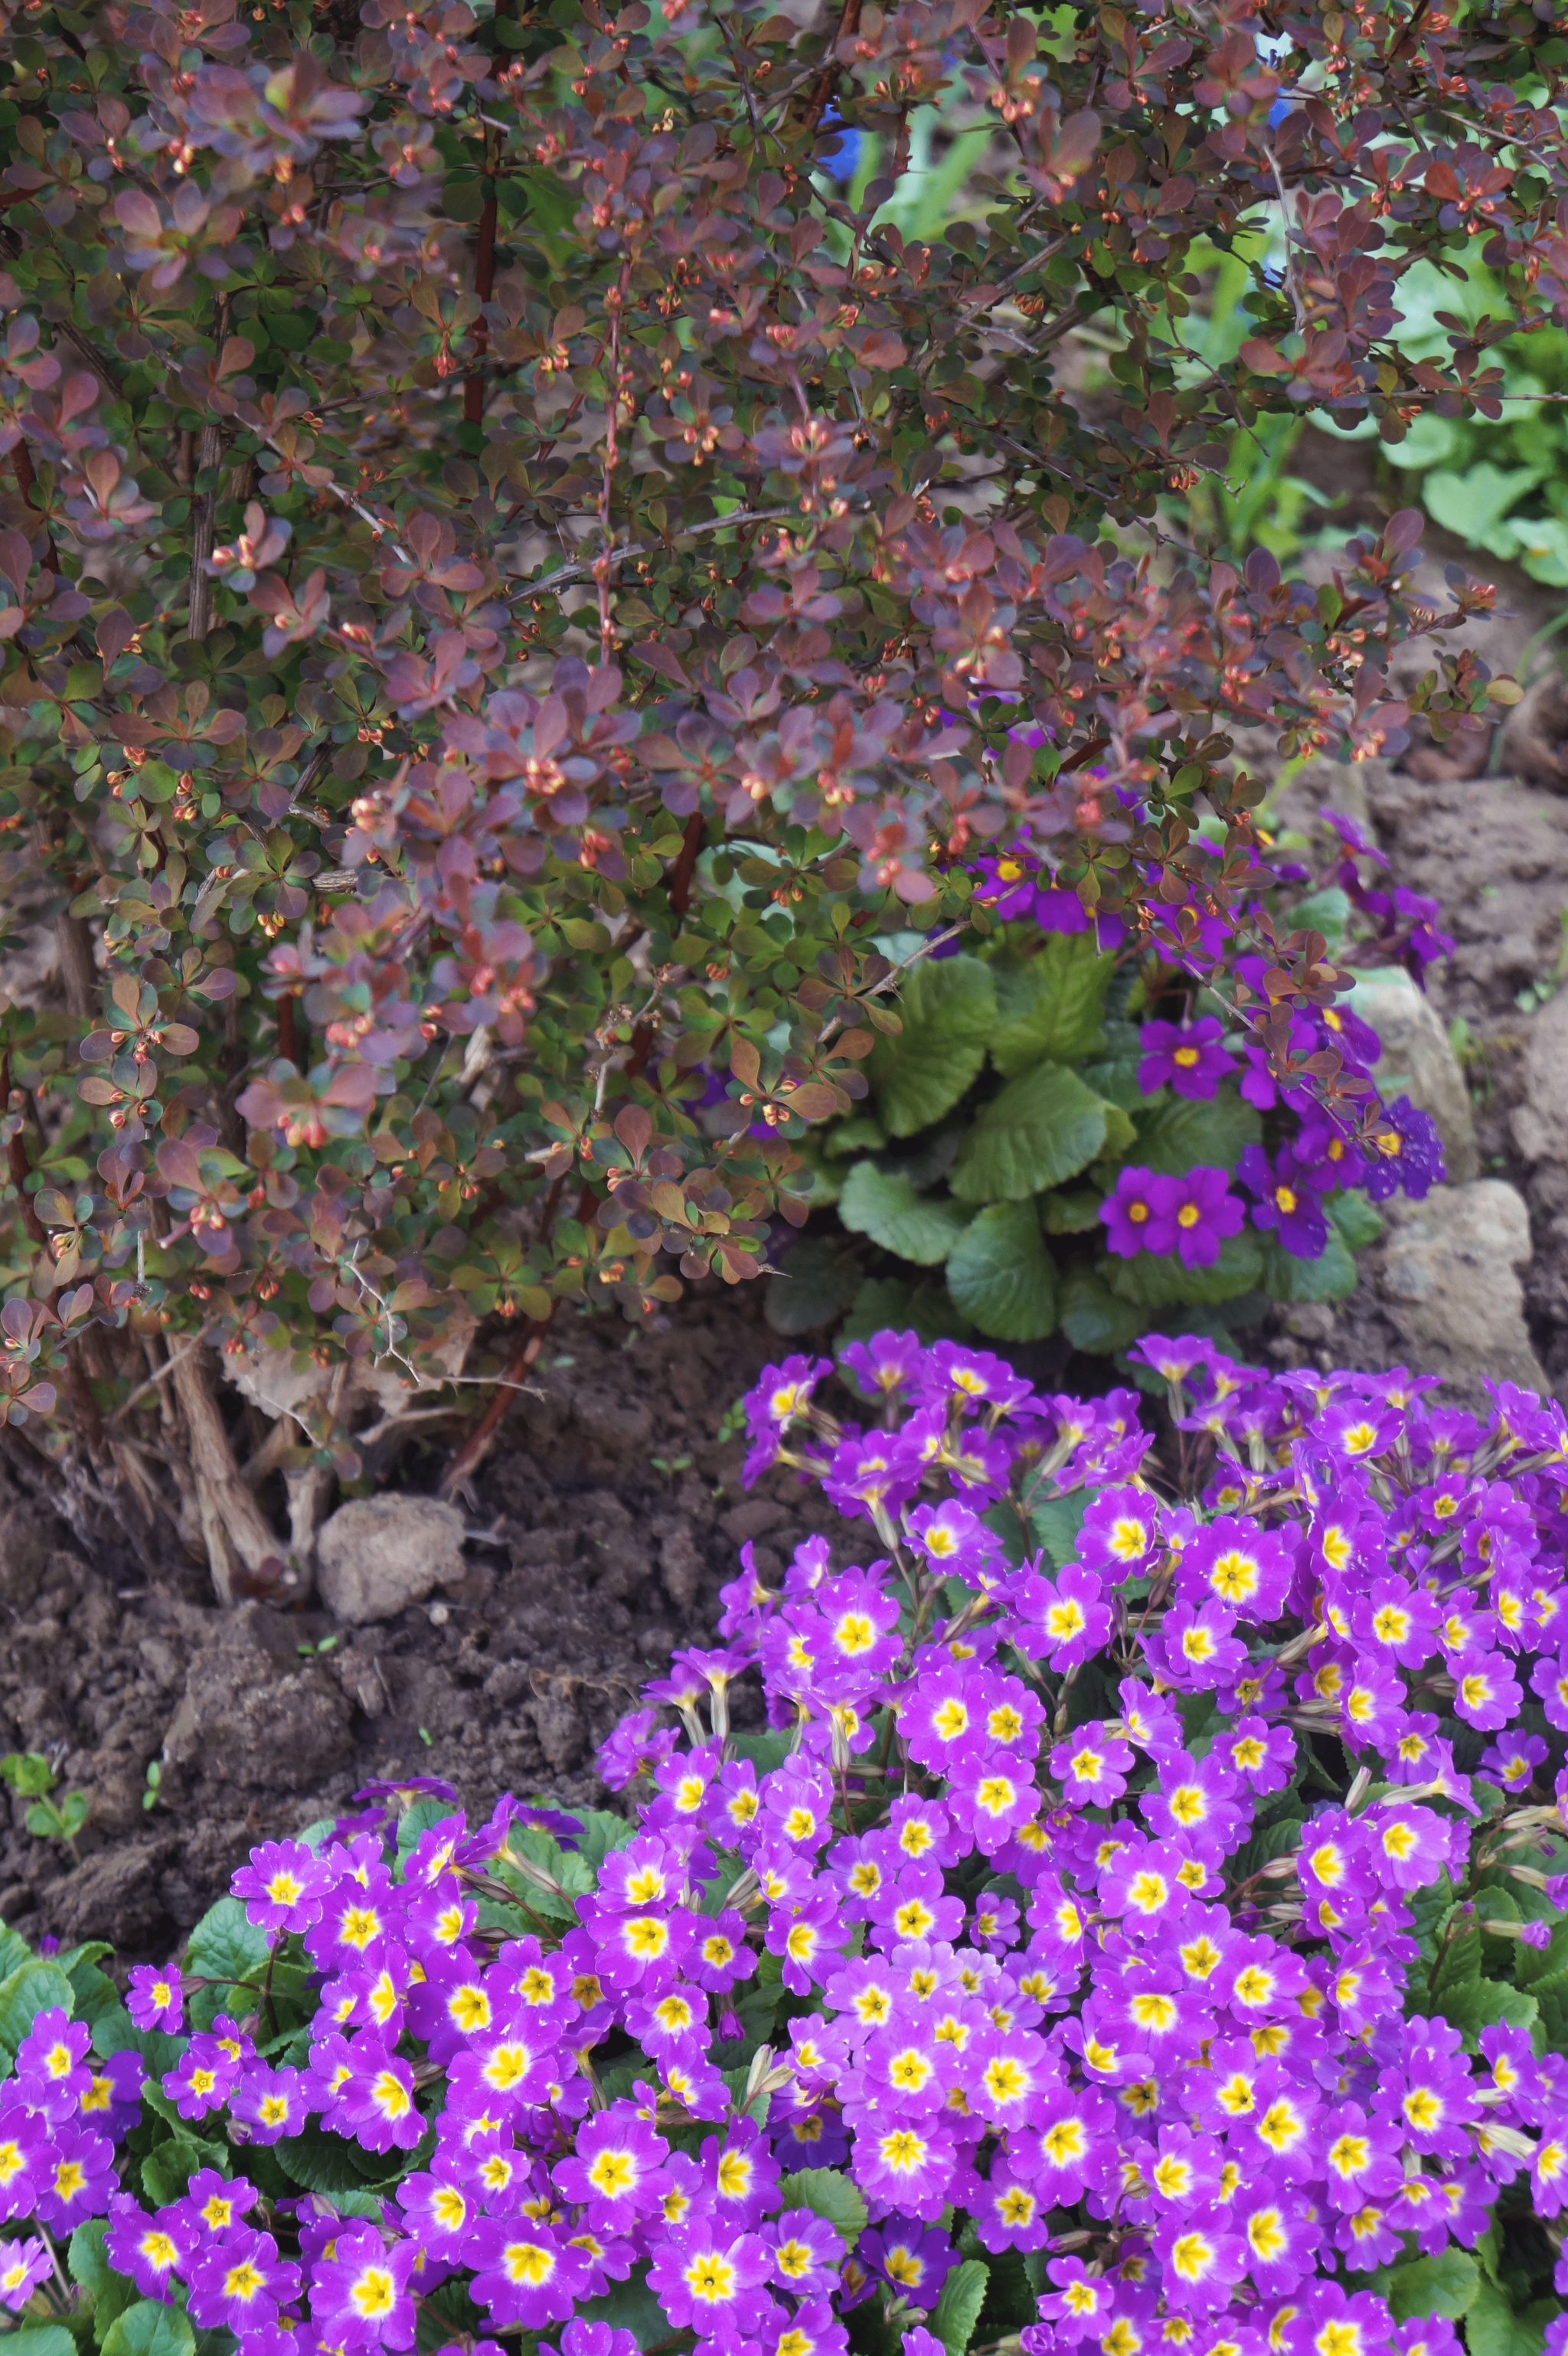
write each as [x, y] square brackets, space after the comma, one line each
[610, 1516]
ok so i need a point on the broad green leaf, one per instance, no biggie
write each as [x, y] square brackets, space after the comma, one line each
[1001, 1276]
[1483, 2004]
[814, 1280]
[957, 2311]
[883, 1204]
[1330, 1277]
[1093, 1318]
[1116, 1079]
[1360, 1223]
[40, 2339]
[1458, 1956]
[1043, 1127]
[1495, 2327]
[827, 2195]
[112, 2292]
[151, 2329]
[1049, 1006]
[169, 2166]
[31, 1988]
[630, 2306]
[949, 1014]
[922, 1309]
[13, 1952]
[226, 1949]
[1056, 1522]
[1077, 1214]
[1152, 1282]
[1447, 2284]
[602, 1832]
[1326, 912]
[1183, 1134]
[320, 2162]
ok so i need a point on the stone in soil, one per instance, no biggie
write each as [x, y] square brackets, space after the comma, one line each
[378, 1555]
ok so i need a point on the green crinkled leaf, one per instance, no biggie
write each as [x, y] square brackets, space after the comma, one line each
[30, 1989]
[923, 1309]
[814, 1280]
[1043, 1127]
[949, 1014]
[828, 2193]
[40, 2339]
[1056, 1524]
[225, 1950]
[630, 2306]
[883, 1204]
[1093, 1318]
[151, 2329]
[1495, 2327]
[112, 2292]
[602, 1832]
[1048, 1007]
[1444, 2284]
[1115, 1077]
[319, 2162]
[1360, 1223]
[94, 1993]
[1001, 1276]
[1330, 1277]
[1482, 2003]
[169, 2166]
[1184, 1133]
[13, 1950]
[1458, 1956]
[1077, 1214]
[956, 2312]
[1148, 1281]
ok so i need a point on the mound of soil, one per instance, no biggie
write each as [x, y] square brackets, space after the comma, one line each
[608, 1520]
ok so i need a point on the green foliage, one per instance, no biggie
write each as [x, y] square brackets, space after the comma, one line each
[996, 1122]
[29, 1774]
[828, 2193]
[956, 2312]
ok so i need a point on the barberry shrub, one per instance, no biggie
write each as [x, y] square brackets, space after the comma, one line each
[514, 583]
[1127, 1915]
[1062, 1164]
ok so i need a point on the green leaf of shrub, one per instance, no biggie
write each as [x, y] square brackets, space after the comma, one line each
[1183, 1134]
[956, 2312]
[1048, 1007]
[1001, 1275]
[1444, 2284]
[949, 1013]
[1043, 1128]
[151, 2329]
[883, 1204]
[828, 2194]
[30, 1989]
[1152, 1282]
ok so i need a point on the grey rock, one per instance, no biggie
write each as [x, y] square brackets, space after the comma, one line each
[1540, 1121]
[1446, 1275]
[1418, 1061]
[252, 1712]
[378, 1555]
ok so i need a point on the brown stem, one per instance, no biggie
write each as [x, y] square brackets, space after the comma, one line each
[27, 484]
[204, 514]
[483, 281]
[822, 89]
[684, 867]
[476, 1447]
[288, 1031]
[18, 1164]
[244, 1556]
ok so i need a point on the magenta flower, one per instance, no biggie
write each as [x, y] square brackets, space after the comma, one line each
[1190, 1060]
[1285, 1201]
[282, 1885]
[24, 2267]
[153, 1998]
[1200, 1207]
[526, 2273]
[360, 2295]
[1131, 1211]
[239, 2281]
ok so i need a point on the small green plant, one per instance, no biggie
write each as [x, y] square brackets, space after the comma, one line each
[670, 1466]
[732, 1423]
[154, 1792]
[31, 1777]
[1535, 994]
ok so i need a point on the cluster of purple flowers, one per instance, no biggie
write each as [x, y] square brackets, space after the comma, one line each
[1192, 1215]
[1036, 1921]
